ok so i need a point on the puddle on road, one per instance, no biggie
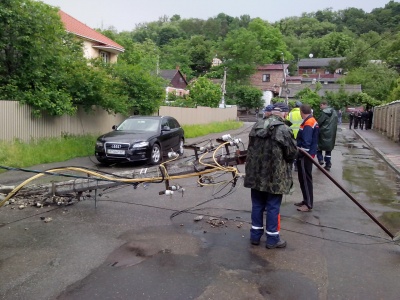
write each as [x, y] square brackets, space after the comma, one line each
[369, 178]
[356, 146]
[366, 173]
[364, 178]
[144, 244]
[392, 219]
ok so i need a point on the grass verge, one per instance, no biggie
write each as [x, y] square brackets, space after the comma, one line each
[192, 131]
[19, 154]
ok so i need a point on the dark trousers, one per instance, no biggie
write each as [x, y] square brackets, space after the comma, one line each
[355, 123]
[304, 172]
[350, 123]
[271, 203]
[362, 124]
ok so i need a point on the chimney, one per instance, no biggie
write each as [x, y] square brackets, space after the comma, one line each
[177, 67]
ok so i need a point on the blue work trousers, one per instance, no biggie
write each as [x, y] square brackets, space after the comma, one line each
[327, 158]
[271, 203]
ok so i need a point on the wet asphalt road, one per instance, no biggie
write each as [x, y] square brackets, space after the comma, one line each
[139, 245]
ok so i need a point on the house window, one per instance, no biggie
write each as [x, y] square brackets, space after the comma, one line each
[105, 56]
[266, 77]
[327, 72]
[313, 71]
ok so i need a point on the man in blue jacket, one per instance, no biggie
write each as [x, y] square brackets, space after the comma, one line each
[307, 140]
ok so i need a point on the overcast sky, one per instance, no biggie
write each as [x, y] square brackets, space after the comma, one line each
[125, 14]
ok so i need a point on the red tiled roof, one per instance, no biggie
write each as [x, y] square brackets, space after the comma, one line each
[76, 27]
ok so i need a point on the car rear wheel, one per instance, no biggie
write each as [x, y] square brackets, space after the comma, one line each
[155, 155]
[181, 150]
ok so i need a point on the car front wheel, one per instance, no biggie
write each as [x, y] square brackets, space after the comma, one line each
[181, 150]
[155, 155]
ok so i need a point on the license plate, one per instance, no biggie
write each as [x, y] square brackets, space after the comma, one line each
[114, 151]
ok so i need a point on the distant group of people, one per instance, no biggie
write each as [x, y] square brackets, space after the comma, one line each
[362, 120]
[273, 147]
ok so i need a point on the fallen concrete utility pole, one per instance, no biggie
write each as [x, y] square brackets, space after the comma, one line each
[394, 238]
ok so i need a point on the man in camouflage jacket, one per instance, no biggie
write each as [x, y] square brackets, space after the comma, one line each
[270, 154]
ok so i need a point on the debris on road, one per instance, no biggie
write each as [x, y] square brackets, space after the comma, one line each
[198, 218]
[215, 222]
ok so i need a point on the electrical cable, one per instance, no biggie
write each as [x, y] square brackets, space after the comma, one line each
[111, 177]
[386, 241]
[34, 215]
[193, 209]
[124, 180]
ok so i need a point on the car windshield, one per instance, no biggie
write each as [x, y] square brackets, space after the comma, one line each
[136, 124]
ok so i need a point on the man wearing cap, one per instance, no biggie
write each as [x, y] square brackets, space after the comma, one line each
[270, 154]
[268, 111]
[295, 119]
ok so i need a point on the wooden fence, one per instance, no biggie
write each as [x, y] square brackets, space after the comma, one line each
[387, 120]
[16, 121]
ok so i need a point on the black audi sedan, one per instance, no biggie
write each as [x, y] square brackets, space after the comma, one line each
[141, 138]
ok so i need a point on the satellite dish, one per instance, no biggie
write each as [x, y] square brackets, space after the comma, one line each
[311, 55]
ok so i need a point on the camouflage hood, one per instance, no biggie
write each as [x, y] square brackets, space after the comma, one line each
[270, 154]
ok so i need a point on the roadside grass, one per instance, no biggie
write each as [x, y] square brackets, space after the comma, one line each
[18, 154]
[192, 131]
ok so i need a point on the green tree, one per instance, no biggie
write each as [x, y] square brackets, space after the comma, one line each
[144, 31]
[145, 92]
[175, 54]
[335, 44]
[339, 99]
[167, 33]
[363, 99]
[92, 85]
[387, 17]
[241, 51]
[390, 52]
[343, 99]
[52, 75]
[205, 93]
[199, 54]
[145, 54]
[306, 26]
[270, 41]
[191, 27]
[311, 97]
[376, 79]
[395, 93]
[35, 53]
[359, 54]
[248, 97]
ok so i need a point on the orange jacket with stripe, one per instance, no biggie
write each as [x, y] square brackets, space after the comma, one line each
[307, 138]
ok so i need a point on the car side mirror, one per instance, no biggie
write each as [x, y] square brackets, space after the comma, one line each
[165, 128]
[114, 127]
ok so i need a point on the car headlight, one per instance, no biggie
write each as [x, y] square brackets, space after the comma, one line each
[99, 144]
[140, 145]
